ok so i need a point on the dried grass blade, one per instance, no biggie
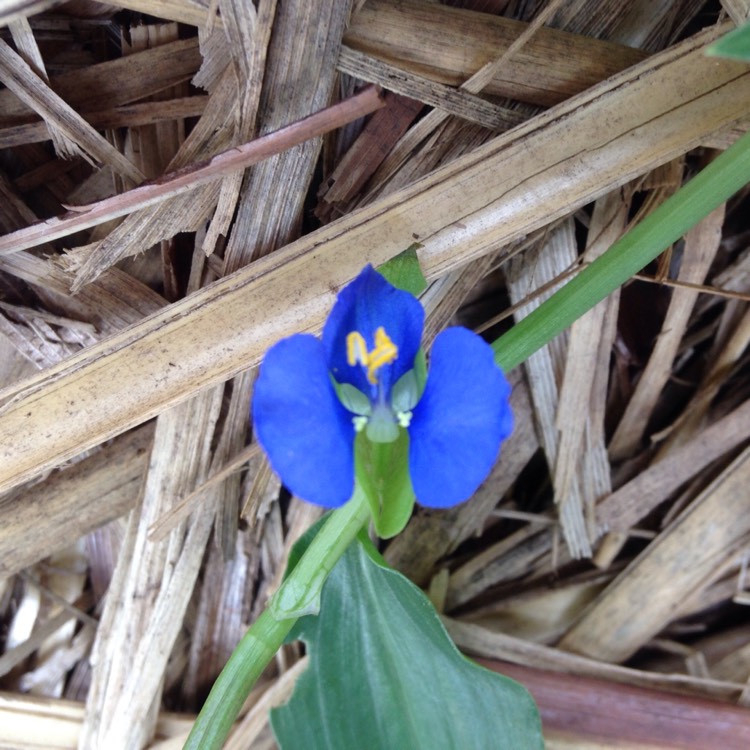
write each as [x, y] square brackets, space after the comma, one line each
[366, 154]
[634, 500]
[165, 523]
[184, 180]
[722, 362]
[23, 37]
[124, 116]
[35, 723]
[701, 245]
[429, 538]
[16, 74]
[192, 12]
[12, 10]
[678, 564]
[43, 518]
[544, 368]
[590, 344]
[115, 82]
[479, 641]
[152, 584]
[449, 101]
[270, 212]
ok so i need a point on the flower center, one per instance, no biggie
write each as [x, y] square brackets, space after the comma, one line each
[384, 353]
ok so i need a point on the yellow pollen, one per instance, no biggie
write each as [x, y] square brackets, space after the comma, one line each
[384, 353]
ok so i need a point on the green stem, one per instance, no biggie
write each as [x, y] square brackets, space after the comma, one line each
[714, 185]
[297, 596]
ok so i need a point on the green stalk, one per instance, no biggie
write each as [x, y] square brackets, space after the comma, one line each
[714, 185]
[297, 596]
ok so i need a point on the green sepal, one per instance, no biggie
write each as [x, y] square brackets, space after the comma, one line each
[352, 398]
[735, 45]
[408, 389]
[382, 470]
[404, 271]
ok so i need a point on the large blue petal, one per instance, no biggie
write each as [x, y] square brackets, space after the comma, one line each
[366, 304]
[459, 422]
[301, 424]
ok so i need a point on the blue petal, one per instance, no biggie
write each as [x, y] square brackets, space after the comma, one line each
[366, 304]
[304, 429]
[459, 422]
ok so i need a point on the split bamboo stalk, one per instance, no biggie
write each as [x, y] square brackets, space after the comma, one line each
[518, 182]
[582, 391]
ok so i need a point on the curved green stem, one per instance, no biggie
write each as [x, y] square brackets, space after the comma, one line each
[297, 596]
[711, 187]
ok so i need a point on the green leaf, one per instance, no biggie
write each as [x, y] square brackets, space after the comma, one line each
[404, 271]
[382, 470]
[384, 674]
[734, 45]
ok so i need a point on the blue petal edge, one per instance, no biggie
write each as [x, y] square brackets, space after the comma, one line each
[301, 424]
[364, 305]
[459, 423]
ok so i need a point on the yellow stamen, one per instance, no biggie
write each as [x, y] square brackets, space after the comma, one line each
[384, 353]
[356, 349]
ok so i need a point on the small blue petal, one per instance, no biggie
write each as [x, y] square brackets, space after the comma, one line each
[459, 422]
[365, 305]
[301, 424]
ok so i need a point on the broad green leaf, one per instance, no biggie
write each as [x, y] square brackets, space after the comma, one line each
[382, 470]
[404, 271]
[734, 45]
[384, 675]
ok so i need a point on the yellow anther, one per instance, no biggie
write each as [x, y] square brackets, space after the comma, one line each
[356, 349]
[384, 353]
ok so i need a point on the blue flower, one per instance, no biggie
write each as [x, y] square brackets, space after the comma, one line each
[313, 396]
